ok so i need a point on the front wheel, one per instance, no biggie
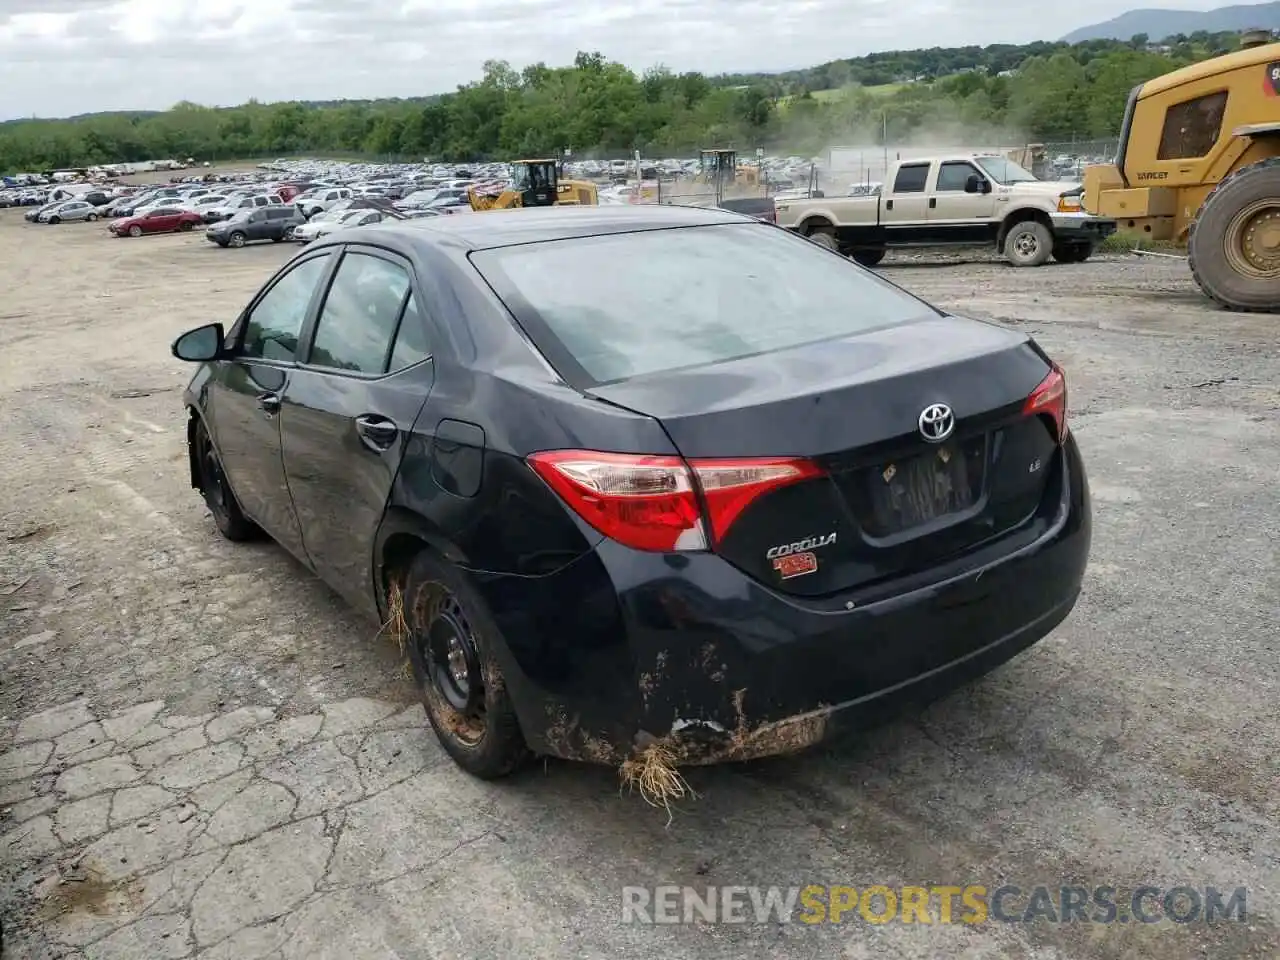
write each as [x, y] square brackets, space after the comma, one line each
[55, 220]
[185, 226]
[135, 231]
[1028, 244]
[222, 503]
[452, 637]
[236, 239]
[868, 258]
[1072, 252]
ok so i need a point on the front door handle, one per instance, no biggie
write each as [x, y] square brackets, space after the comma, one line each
[888, 204]
[269, 403]
[377, 433]
[933, 203]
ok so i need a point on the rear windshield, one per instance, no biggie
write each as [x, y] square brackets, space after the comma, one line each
[615, 307]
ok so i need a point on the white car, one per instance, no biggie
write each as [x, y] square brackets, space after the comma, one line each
[323, 224]
[317, 201]
[233, 205]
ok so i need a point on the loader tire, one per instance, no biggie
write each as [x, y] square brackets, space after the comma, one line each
[1234, 242]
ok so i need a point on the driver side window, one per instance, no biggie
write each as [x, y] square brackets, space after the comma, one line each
[273, 326]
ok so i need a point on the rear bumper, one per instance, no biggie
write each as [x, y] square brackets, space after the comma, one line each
[1081, 226]
[623, 648]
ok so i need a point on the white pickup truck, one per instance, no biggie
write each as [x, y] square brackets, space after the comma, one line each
[985, 200]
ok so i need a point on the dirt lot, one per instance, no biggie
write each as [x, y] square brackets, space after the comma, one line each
[202, 753]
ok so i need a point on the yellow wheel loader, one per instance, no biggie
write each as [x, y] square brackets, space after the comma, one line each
[536, 183]
[1199, 165]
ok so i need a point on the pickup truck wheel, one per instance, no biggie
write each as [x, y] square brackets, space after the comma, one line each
[868, 258]
[825, 239]
[1028, 244]
[1072, 252]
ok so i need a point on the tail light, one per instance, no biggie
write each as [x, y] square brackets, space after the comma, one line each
[1050, 399]
[663, 503]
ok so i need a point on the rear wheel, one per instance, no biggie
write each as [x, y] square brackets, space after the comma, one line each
[92, 217]
[222, 503]
[452, 637]
[1072, 252]
[1028, 244]
[53, 220]
[868, 258]
[135, 231]
[1234, 243]
[825, 238]
[236, 239]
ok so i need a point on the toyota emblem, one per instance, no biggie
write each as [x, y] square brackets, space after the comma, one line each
[936, 422]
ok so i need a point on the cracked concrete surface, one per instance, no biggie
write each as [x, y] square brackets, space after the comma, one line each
[204, 754]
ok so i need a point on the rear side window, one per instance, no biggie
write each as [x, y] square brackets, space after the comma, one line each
[411, 338]
[644, 303]
[360, 314]
[911, 179]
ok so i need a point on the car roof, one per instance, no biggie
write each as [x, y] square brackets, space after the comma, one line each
[501, 228]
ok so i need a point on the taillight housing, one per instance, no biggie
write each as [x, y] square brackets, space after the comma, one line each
[664, 503]
[1049, 399]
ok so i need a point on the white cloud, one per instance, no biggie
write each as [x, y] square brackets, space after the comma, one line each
[63, 57]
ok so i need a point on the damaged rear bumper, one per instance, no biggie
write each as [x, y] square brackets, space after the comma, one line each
[622, 649]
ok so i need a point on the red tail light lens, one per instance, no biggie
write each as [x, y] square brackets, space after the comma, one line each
[729, 486]
[652, 502]
[1050, 399]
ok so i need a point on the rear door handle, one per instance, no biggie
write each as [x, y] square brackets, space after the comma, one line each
[377, 433]
[933, 203]
[888, 204]
[269, 402]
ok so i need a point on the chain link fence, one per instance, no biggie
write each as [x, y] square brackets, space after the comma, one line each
[1052, 160]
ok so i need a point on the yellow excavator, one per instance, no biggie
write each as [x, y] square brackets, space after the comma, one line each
[1199, 165]
[536, 183]
[720, 167]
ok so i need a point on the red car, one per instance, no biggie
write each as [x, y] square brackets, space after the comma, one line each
[159, 220]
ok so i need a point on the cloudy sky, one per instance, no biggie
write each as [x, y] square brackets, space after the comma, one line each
[63, 57]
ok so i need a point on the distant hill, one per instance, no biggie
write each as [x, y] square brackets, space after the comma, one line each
[1159, 24]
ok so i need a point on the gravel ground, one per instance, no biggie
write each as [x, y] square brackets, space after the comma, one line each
[204, 754]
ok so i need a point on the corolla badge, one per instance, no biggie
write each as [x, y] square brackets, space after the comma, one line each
[797, 559]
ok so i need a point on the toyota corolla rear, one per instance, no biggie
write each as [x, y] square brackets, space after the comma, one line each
[856, 501]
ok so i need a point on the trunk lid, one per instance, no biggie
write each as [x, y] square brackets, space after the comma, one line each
[891, 503]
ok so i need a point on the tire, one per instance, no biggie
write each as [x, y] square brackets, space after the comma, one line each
[1251, 195]
[236, 239]
[476, 726]
[135, 231]
[826, 239]
[91, 217]
[276, 239]
[1028, 244]
[868, 258]
[1072, 252]
[54, 220]
[222, 503]
[185, 226]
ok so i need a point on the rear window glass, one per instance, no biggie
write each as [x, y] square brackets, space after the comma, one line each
[633, 304]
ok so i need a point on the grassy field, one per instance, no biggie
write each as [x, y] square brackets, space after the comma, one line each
[840, 93]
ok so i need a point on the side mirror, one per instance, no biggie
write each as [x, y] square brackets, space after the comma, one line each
[974, 184]
[201, 344]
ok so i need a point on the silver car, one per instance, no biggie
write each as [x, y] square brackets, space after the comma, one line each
[69, 212]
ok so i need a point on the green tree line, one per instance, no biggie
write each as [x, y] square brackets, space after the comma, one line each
[1046, 91]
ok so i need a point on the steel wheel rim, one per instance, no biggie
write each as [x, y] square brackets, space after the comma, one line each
[215, 482]
[1026, 244]
[1252, 240]
[451, 660]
